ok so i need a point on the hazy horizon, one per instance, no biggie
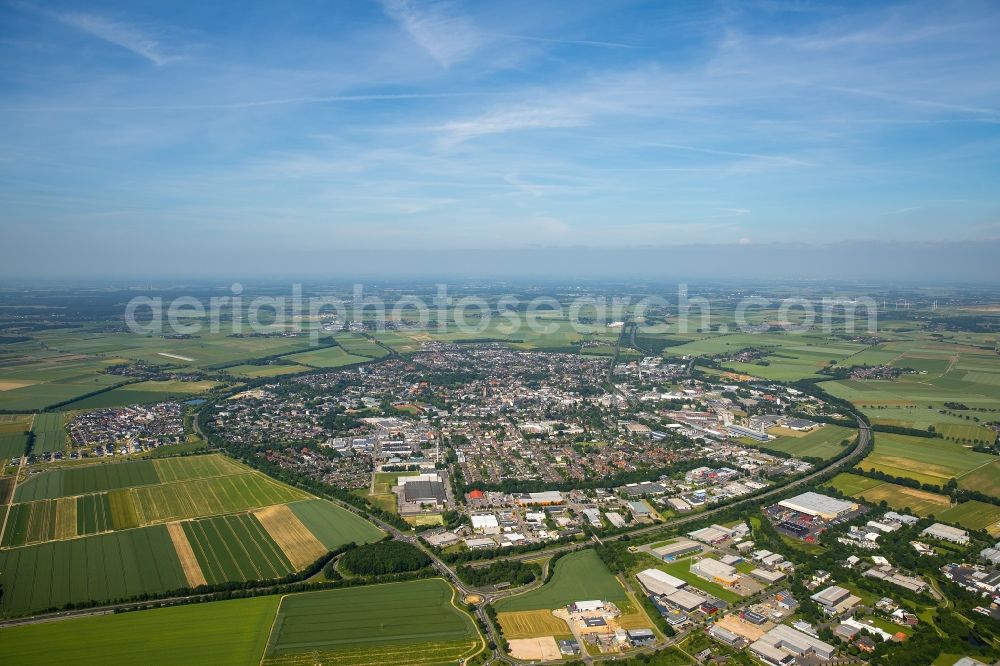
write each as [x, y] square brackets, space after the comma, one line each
[203, 139]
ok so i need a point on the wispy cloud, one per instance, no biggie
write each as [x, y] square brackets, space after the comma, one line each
[127, 36]
[499, 122]
[250, 104]
[569, 42]
[901, 211]
[779, 159]
[447, 37]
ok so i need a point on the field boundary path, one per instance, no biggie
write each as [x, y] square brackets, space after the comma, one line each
[13, 489]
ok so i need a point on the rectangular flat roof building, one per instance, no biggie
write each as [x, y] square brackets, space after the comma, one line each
[822, 506]
[424, 491]
[715, 571]
[659, 582]
[685, 600]
[674, 550]
[947, 532]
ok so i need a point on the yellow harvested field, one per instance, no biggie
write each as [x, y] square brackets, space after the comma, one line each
[534, 649]
[300, 546]
[65, 518]
[11, 384]
[189, 563]
[531, 624]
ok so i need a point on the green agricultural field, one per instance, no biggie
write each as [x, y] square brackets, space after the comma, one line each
[99, 477]
[100, 568]
[208, 497]
[327, 357]
[235, 548]
[159, 637]
[12, 445]
[50, 432]
[205, 350]
[271, 370]
[67, 481]
[359, 345]
[824, 442]
[851, 484]
[927, 460]
[408, 624]
[973, 515]
[147, 493]
[53, 380]
[898, 497]
[578, 576]
[142, 393]
[333, 525]
[983, 479]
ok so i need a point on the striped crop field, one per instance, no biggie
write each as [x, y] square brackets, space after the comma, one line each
[415, 623]
[161, 525]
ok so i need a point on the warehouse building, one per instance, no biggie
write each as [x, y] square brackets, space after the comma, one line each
[768, 577]
[659, 582]
[947, 533]
[819, 506]
[539, 499]
[715, 571]
[686, 600]
[424, 492]
[672, 551]
[835, 600]
[783, 645]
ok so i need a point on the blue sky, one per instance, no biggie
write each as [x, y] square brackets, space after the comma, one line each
[183, 131]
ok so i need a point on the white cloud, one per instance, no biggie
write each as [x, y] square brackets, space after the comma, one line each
[121, 34]
[446, 37]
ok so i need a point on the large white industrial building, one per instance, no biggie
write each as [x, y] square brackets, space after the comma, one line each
[821, 506]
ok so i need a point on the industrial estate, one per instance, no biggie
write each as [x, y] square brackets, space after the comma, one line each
[415, 494]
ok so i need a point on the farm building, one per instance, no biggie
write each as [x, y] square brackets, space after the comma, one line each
[672, 551]
[715, 571]
[821, 506]
[947, 533]
[586, 606]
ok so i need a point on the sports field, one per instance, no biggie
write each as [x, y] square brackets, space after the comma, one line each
[578, 576]
[50, 432]
[824, 442]
[919, 502]
[973, 515]
[406, 624]
[225, 633]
